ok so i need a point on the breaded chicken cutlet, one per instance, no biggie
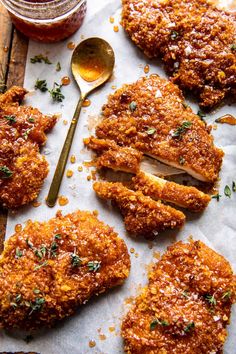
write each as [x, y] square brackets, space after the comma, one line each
[159, 189]
[48, 269]
[152, 117]
[186, 306]
[22, 131]
[142, 215]
[195, 40]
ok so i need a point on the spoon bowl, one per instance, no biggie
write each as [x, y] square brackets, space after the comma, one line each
[92, 65]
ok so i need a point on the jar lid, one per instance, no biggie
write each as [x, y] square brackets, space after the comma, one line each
[40, 10]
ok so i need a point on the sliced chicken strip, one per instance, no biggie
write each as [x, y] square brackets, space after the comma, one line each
[142, 215]
[186, 197]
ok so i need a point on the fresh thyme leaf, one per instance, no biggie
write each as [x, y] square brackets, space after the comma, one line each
[201, 114]
[44, 264]
[150, 130]
[53, 249]
[233, 46]
[19, 253]
[227, 191]
[133, 106]
[7, 173]
[26, 133]
[41, 85]
[36, 291]
[227, 295]
[181, 160]
[189, 327]
[57, 236]
[56, 94]
[174, 35]
[233, 186]
[18, 297]
[40, 58]
[58, 66]
[29, 243]
[94, 266]
[75, 260]
[211, 299]
[181, 129]
[13, 304]
[31, 120]
[38, 253]
[37, 304]
[185, 293]
[11, 118]
[217, 197]
[43, 250]
[159, 322]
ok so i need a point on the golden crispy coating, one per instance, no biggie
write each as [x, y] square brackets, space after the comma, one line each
[195, 40]
[150, 116]
[22, 131]
[142, 215]
[114, 156]
[186, 306]
[48, 269]
[183, 196]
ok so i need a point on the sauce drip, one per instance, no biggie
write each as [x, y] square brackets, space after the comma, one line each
[62, 200]
[65, 81]
[146, 69]
[86, 103]
[18, 228]
[227, 119]
[71, 45]
[116, 29]
[92, 343]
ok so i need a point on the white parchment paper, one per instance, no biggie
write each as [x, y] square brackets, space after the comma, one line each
[216, 226]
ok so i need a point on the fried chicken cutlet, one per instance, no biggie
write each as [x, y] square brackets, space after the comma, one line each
[142, 215]
[195, 40]
[152, 117]
[186, 306]
[22, 132]
[48, 269]
[159, 189]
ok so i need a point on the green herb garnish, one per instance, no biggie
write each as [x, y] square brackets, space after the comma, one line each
[7, 173]
[31, 120]
[44, 264]
[227, 191]
[233, 46]
[75, 260]
[211, 299]
[41, 85]
[227, 295]
[53, 249]
[159, 322]
[201, 114]
[58, 66]
[36, 291]
[57, 236]
[181, 129]
[37, 304]
[19, 253]
[29, 243]
[26, 133]
[181, 160]
[217, 197]
[11, 118]
[233, 186]
[185, 293]
[133, 106]
[189, 327]
[18, 298]
[56, 94]
[150, 131]
[40, 59]
[174, 35]
[94, 266]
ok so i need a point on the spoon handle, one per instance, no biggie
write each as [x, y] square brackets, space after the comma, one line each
[61, 165]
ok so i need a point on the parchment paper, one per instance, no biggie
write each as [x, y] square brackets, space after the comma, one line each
[216, 226]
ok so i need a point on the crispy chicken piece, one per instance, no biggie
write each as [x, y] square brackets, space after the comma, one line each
[48, 269]
[142, 215]
[186, 306]
[195, 40]
[151, 116]
[114, 156]
[22, 132]
[158, 188]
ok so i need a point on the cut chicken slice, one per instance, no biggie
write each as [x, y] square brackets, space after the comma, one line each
[151, 116]
[142, 215]
[186, 306]
[183, 196]
[113, 156]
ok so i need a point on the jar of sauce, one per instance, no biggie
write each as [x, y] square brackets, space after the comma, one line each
[46, 20]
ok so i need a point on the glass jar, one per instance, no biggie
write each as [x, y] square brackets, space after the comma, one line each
[46, 20]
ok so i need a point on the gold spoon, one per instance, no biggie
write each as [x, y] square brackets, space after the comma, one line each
[92, 65]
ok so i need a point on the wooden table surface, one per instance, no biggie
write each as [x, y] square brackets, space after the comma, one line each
[13, 52]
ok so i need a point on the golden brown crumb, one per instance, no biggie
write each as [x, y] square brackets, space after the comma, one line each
[113, 156]
[22, 131]
[183, 196]
[142, 215]
[48, 269]
[186, 306]
[151, 116]
[195, 40]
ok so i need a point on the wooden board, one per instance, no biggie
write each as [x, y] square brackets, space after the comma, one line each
[13, 52]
